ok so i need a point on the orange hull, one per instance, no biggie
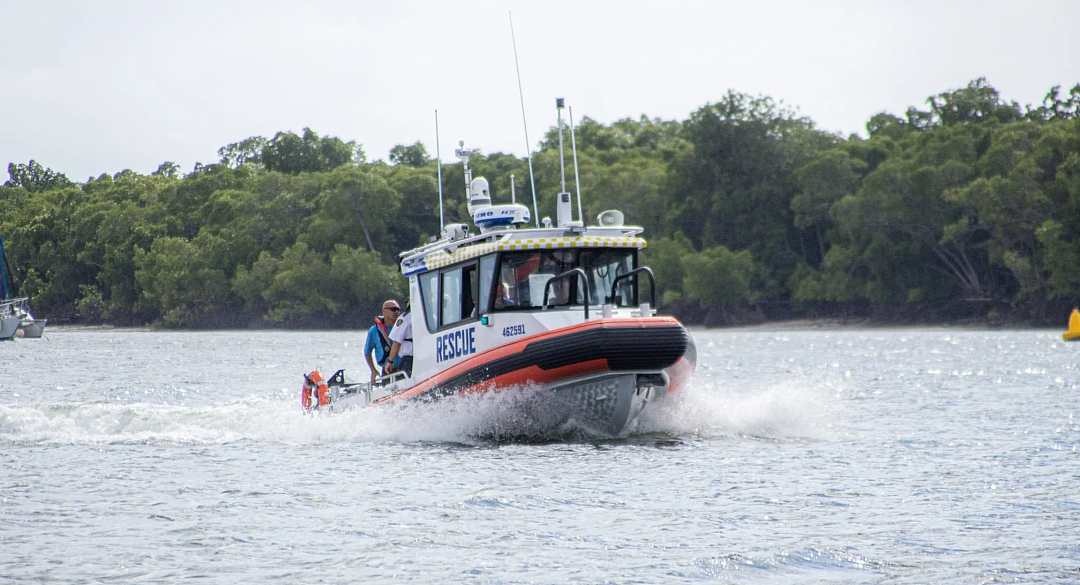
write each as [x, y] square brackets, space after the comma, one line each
[560, 355]
[595, 376]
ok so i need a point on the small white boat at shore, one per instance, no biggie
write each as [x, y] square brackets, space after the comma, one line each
[16, 319]
[30, 327]
[15, 315]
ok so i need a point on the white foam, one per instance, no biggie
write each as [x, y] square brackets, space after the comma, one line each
[265, 419]
[797, 409]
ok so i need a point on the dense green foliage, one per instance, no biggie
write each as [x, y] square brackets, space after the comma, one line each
[745, 202]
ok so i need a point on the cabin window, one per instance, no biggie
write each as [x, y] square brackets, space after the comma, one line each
[469, 293]
[603, 266]
[459, 294]
[523, 276]
[451, 296]
[487, 276]
[429, 291]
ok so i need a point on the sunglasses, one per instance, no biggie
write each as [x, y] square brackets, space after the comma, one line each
[392, 309]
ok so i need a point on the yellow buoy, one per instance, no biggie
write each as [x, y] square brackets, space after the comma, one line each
[1073, 334]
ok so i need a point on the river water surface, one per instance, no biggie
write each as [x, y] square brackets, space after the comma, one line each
[802, 456]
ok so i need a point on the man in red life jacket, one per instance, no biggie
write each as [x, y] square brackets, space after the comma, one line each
[378, 339]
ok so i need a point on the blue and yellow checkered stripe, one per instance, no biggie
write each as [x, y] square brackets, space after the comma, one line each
[443, 258]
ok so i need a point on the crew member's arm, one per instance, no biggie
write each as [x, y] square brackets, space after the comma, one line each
[369, 347]
[371, 366]
[394, 349]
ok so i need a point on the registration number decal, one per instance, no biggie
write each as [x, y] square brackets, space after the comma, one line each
[513, 330]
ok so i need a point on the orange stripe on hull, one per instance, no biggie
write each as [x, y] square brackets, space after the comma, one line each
[534, 374]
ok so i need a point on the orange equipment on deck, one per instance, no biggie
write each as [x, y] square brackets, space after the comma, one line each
[315, 393]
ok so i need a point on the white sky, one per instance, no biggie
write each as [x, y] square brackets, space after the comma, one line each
[97, 87]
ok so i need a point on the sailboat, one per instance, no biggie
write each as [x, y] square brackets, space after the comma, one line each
[15, 315]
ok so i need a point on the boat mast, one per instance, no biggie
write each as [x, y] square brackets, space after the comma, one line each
[3, 271]
[6, 291]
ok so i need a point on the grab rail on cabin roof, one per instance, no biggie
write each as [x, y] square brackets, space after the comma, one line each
[565, 275]
[634, 272]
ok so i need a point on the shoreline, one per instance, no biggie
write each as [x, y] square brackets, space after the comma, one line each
[798, 324]
[839, 324]
[67, 327]
[971, 314]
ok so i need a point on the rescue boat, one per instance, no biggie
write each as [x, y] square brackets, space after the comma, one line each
[563, 312]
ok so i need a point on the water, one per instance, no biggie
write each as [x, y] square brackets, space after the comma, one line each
[813, 456]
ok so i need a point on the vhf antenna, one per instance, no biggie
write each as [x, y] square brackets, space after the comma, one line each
[577, 177]
[438, 157]
[528, 146]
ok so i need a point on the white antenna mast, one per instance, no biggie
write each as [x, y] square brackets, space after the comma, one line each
[577, 177]
[562, 159]
[464, 154]
[513, 198]
[438, 157]
[564, 208]
[528, 145]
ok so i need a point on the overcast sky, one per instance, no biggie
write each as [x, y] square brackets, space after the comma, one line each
[97, 87]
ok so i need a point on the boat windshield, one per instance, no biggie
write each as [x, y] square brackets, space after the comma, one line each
[522, 277]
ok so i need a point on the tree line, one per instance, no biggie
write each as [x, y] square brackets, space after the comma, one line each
[751, 212]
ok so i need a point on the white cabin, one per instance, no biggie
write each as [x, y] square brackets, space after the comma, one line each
[479, 292]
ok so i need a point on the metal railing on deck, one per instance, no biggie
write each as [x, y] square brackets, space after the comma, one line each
[652, 284]
[565, 276]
